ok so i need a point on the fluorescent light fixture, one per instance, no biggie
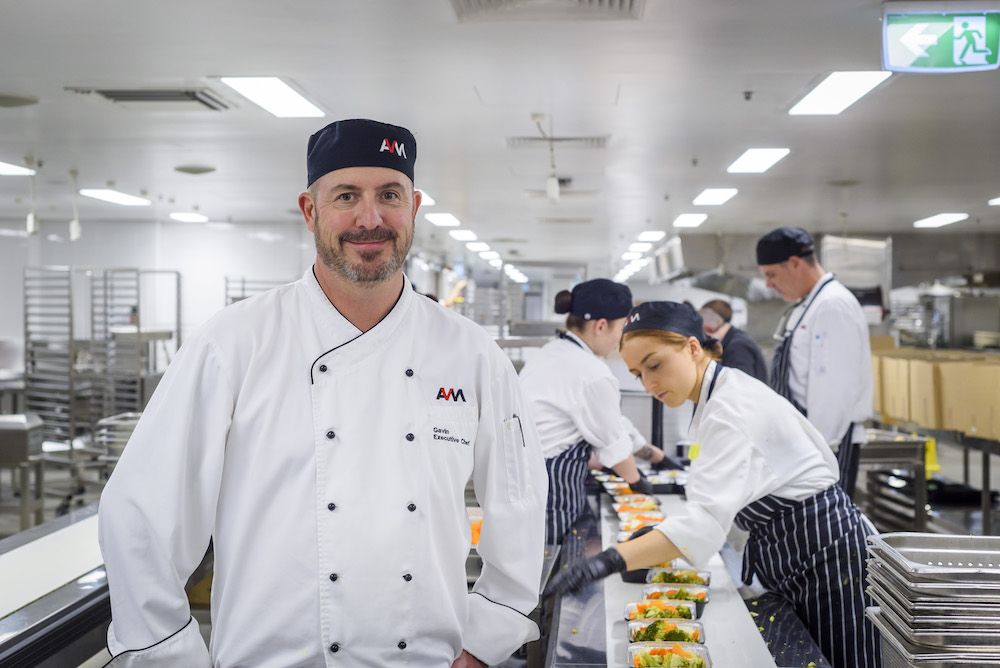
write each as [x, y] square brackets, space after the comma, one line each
[274, 95]
[189, 217]
[463, 235]
[496, 263]
[442, 219]
[837, 92]
[714, 196]
[114, 197]
[940, 220]
[425, 199]
[640, 247]
[7, 169]
[994, 202]
[652, 235]
[477, 246]
[690, 219]
[757, 160]
[490, 255]
[631, 255]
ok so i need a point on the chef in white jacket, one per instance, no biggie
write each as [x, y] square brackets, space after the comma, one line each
[576, 402]
[756, 463]
[823, 360]
[322, 435]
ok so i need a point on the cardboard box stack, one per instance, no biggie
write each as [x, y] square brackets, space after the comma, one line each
[939, 389]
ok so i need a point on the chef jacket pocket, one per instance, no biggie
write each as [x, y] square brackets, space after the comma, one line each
[514, 453]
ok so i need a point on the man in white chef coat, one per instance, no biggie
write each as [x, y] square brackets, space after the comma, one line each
[823, 360]
[322, 435]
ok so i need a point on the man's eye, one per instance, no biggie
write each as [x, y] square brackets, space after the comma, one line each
[345, 197]
[391, 195]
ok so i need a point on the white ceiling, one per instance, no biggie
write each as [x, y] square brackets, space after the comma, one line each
[666, 91]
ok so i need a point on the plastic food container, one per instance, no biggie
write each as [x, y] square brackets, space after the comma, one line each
[670, 609]
[636, 499]
[693, 629]
[676, 591]
[692, 650]
[676, 573]
[637, 507]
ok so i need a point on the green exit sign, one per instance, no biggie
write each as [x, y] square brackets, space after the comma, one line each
[939, 41]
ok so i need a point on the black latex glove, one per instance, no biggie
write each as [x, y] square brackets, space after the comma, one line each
[641, 531]
[641, 486]
[668, 463]
[579, 574]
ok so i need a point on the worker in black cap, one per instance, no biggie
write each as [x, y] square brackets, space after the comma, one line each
[759, 464]
[322, 435]
[575, 400]
[823, 360]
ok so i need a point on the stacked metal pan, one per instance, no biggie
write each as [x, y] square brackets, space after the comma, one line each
[937, 599]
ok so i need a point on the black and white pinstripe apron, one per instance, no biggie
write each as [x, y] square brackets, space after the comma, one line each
[567, 498]
[849, 452]
[812, 552]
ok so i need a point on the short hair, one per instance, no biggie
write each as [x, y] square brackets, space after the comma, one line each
[724, 310]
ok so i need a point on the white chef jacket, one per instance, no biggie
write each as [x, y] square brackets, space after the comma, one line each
[573, 395]
[329, 468]
[748, 442]
[831, 367]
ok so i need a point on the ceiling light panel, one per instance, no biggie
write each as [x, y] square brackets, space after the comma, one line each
[426, 200]
[837, 92]
[477, 246]
[7, 169]
[274, 96]
[994, 202]
[114, 197]
[442, 219]
[463, 235]
[640, 247]
[182, 217]
[940, 220]
[714, 196]
[631, 255]
[690, 219]
[652, 235]
[490, 255]
[757, 160]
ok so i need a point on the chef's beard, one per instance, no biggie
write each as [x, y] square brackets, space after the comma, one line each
[368, 270]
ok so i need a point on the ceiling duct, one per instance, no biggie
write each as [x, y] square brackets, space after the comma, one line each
[563, 142]
[159, 99]
[546, 10]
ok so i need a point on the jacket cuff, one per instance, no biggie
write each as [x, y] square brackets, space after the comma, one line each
[495, 631]
[184, 648]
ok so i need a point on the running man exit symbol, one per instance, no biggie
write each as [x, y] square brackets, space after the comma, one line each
[969, 45]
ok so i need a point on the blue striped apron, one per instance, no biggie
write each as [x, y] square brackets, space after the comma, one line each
[812, 552]
[567, 498]
[849, 452]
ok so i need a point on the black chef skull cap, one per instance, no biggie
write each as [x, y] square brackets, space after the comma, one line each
[667, 317]
[778, 245]
[359, 142]
[600, 298]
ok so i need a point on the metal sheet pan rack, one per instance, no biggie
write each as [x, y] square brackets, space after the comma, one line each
[937, 599]
[239, 288]
[888, 508]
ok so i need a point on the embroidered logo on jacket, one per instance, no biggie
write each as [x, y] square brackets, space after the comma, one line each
[451, 394]
[393, 147]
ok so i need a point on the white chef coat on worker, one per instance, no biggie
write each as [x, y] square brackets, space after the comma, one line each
[329, 468]
[831, 367]
[748, 442]
[574, 396]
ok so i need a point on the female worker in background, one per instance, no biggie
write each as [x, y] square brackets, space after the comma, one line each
[759, 464]
[575, 401]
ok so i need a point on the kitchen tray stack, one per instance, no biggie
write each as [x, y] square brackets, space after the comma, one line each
[937, 599]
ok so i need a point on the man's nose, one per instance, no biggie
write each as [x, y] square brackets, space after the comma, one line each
[368, 215]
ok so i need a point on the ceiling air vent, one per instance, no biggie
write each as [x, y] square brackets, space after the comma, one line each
[159, 99]
[553, 220]
[547, 10]
[562, 142]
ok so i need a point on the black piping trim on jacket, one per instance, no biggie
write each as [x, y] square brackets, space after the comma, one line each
[311, 380]
[502, 604]
[151, 646]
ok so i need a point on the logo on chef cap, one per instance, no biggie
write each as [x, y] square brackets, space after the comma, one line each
[349, 143]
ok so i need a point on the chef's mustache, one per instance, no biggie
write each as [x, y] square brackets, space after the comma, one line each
[376, 234]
